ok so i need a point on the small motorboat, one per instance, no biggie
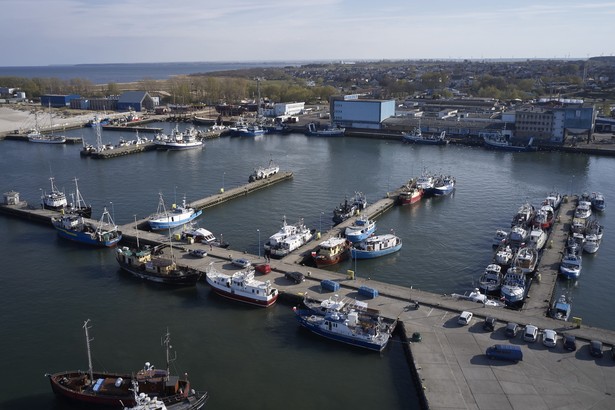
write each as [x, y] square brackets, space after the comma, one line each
[571, 265]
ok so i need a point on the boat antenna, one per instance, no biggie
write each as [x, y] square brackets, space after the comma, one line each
[166, 341]
[137, 230]
[87, 342]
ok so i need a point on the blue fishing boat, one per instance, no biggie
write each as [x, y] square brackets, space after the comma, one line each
[561, 308]
[348, 327]
[443, 185]
[76, 228]
[514, 286]
[250, 131]
[361, 229]
[570, 266]
[179, 215]
[376, 246]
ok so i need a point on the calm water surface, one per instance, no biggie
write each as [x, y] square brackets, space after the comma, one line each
[256, 357]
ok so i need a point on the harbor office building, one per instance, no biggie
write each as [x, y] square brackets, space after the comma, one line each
[350, 111]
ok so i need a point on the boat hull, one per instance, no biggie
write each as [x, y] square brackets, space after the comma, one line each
[85, 238]
[321, 261]
[232, 294]
[172, 221]
[361, 254]
[189, 279]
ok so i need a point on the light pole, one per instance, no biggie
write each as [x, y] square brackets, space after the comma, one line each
[223, 174]
[259, 242]
[320, 223]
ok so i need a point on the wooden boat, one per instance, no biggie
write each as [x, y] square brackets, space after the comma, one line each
[117, 389]
[149, 264]
[333, 250]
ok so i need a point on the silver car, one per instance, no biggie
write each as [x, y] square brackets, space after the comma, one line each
[549, 338]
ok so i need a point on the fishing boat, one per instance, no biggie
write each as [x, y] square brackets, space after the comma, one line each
[376, 246]
[500, 236]
[264, 172]
[284, 232]
[416, 136]
[553, 199]
[538, 238]
[570, 266]
[102, 388]
[592, 243]
[252, 130]
[361, 229]
[179, 215]
[498, 141]
[526, 259]
[350, 207]
[504, 255]
[443, 185]
[490, 281]
[524, 216]
[513, 286]
[76, 228]
[292, 242]
[561, 308]
[410, 194]
[37, 136]
[583, 210]
[331, 251]
[78, 204]
[425, 182]
[242, 286]
[55, 199]
[517, 236]
[179, 140]
[348, 327]
[329, 131]
[152, 265]
[597, 201]
[544, 217]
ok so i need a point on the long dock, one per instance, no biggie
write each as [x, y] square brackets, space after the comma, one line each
[448, 365]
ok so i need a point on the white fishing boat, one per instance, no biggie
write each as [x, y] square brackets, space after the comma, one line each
[292, 242]
[571, 265]
[264, 172]
[526, 259]
[490, 280]
[597, 201]
[538, 238]
[553, 199]
[504, 255]
[242, 286]
[500, 236]
[276, 240]
[592, 243]
[518, 236]
[55, 199]
[177, 216]
[179, 140]
[513, 286]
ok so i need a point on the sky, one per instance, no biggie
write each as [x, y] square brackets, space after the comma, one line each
[43, 32]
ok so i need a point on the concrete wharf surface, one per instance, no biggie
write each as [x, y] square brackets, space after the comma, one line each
[449, 365]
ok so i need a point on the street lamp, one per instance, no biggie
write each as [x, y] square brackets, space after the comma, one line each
[320, 223]
[259, 242]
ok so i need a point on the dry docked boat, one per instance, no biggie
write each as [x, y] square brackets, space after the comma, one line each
[242, 286]
[103, 388]
[333, 250]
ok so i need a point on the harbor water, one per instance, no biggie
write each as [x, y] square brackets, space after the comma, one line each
[260, 358]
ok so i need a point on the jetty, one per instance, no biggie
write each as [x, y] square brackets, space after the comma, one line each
[449, 365]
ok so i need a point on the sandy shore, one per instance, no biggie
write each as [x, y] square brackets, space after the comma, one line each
[26, 118]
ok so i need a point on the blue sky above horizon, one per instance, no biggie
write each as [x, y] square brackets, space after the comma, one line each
[43, 32]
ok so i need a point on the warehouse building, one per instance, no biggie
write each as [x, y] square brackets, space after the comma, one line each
[57, 100]
[352, 112]
[135, 101]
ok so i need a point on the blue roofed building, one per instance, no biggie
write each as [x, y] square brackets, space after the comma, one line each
[135, 101]
[57, 100]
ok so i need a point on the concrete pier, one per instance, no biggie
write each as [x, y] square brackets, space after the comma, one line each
[451, 369]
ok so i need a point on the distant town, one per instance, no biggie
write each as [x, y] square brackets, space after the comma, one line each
[549, 101]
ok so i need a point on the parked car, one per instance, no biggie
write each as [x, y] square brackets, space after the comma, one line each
[465, 318]
[489, 323]
[241, 262]
[549, 338]
[595, 348]
[505, 352]
[511, 329]
[570, 343]
[296, 277]
[530, 334]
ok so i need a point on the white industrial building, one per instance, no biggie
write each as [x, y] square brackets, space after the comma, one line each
[288, 108]
[352, 112]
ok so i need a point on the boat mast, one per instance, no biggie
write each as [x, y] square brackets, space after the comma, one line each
[167, 344]
[137, 229]
[87, 342]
